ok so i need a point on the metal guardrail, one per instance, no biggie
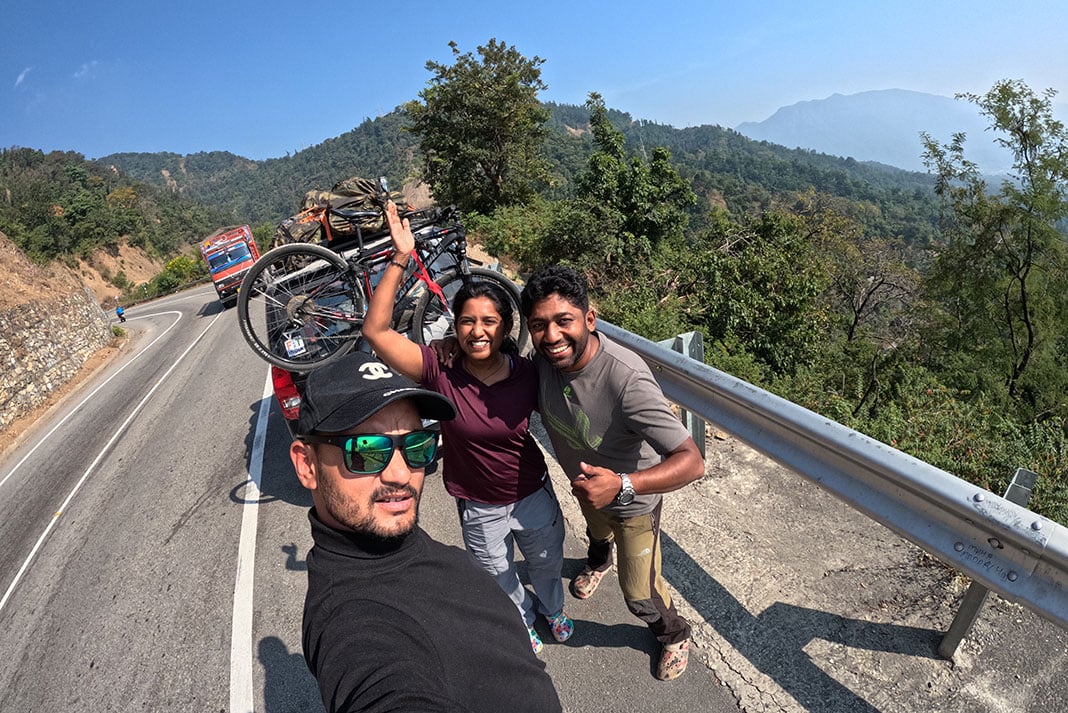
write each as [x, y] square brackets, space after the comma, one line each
[1011, 550]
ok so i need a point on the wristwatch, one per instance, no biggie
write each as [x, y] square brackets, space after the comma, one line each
[626, 491]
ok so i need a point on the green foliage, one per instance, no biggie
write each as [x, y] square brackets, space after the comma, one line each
[903, 404]
[639, 203]
[518, 231]
[730, 356]
[121, 281]
[873, 282]
[179, 272]
[624, 211]
[185, 267]
[58, 204]
[643, 309]
[1000, 287]
[481, 128]
[647, 302]
[263, 234]
[757, 281]
[117, 331]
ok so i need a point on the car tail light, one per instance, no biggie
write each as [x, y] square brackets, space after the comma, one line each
[286, 393]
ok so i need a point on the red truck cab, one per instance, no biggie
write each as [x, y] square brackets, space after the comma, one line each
[229, 253]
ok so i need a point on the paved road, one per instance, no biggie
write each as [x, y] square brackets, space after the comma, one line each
[131, 510]
[170, 581]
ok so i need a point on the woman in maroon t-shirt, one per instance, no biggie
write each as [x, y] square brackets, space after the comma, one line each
[492, 466]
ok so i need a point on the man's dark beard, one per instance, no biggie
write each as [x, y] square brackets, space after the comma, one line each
[379, 542]
[364, 524]
[390, 541]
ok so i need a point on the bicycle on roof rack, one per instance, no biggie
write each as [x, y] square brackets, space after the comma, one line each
[302, 305]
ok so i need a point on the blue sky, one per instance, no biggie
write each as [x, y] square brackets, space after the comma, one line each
[267, 78]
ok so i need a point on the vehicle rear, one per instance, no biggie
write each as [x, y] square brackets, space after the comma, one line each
[287, 385]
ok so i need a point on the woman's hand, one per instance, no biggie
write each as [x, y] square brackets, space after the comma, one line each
[400, 231]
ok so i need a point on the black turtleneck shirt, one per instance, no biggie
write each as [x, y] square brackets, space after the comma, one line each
[414, 626]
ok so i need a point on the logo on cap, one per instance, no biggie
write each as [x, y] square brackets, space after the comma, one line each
[373, 370]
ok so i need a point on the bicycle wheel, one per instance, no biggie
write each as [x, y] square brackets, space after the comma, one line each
[301, 306]
[433, 320]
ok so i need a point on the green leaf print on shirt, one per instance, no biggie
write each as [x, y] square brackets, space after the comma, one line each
[575, 430]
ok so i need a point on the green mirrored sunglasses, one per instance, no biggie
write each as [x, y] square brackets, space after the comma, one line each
[370, 453]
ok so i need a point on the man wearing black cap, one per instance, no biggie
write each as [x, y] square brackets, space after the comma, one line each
[394, 620]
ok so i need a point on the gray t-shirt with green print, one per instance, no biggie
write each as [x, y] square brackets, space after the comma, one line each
[611, 414]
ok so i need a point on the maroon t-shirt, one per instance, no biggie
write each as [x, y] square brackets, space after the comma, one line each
[490, 455]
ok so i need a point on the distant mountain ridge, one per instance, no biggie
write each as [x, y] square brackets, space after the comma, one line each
[881, 125]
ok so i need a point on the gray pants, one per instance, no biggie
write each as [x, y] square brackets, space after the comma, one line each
[536, 524]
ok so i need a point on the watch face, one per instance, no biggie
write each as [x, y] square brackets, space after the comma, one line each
[626, 490]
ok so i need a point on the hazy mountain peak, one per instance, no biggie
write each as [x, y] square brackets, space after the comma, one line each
[881, 125]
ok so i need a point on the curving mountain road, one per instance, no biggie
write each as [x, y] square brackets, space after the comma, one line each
[153, 541]
[121, 518]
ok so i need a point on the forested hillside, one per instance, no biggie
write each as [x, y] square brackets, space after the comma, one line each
[271, 190]
[725, 168]
[59, 205]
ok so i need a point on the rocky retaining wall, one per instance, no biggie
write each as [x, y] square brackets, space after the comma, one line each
[43, 344]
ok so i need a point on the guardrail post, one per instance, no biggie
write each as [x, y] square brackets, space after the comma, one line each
[692, 344]
[1019, 492]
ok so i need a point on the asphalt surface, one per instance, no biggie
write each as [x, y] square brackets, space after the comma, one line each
[129, 601]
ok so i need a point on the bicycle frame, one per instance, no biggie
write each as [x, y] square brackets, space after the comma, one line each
[449, 241]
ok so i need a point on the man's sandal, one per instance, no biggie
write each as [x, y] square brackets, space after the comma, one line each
[585, 584]
[673, 660]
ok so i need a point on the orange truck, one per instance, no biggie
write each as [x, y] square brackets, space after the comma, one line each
[229, 252]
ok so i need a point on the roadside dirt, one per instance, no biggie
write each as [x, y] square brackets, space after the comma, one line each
[23, 281]
[132, 262]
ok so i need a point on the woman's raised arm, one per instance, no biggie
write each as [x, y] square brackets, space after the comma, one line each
[391, 346]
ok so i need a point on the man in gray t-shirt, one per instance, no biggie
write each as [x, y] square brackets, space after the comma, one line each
[619, 443]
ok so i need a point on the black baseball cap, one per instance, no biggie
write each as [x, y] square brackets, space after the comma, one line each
[345, 393]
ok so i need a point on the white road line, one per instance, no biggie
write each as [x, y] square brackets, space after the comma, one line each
[100, 456]
[241, 646]
[91, 395]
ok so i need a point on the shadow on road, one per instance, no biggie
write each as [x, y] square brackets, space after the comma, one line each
[288, 685]
[278, 482]
[774, 641]
[210, 309]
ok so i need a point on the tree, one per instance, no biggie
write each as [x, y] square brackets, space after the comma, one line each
[646, 200]
[1000, 281]
[872, 287]
[756, 285]
[626, 206]
[481, 128]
